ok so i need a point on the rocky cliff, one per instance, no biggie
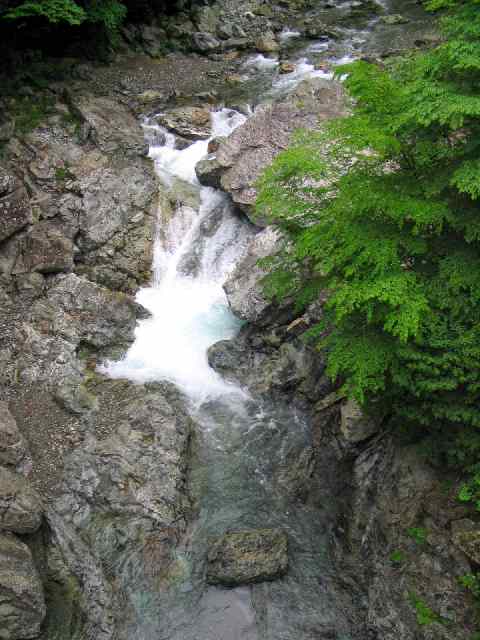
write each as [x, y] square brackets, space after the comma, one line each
[99, 478]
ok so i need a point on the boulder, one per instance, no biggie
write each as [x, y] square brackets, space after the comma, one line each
[22, 604]
[249, 556]
[205, 42]
[355, 426]
[20, 505]
[81, 311]
[267, 43]
[13, 447]
[209, 172]
[192, 123]
[244, 285]
[244, 155]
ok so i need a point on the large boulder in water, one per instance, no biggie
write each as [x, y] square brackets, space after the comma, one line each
[243, 156]
[247, 556]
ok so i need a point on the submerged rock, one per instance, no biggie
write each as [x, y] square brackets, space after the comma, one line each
[22, 605]
[247, 556]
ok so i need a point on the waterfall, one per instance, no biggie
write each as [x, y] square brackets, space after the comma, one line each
[189, 310]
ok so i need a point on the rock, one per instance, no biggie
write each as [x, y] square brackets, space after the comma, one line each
[192, 123]
[15, 210]
[205, 42]
[123, 499]
[244, 287]
[287, 67]
[80, 311]
[393, 19]
[20, 504]
[13, 447]
[247, 556]
[355, 427]
[209, 172]
[252, 146]
[108, 124]
[469, 543]
[46, 250]
[267, 43]
[22, 605]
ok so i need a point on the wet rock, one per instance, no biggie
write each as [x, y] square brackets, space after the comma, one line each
[205, 42]
[190, 122]
[22, 605]
[46, 250]
[286, 67]
[267, 43]
[13, 447]
[209, 172]
[20, 504]
[252, 146]
[15, 209]
[394, 18]
[247, 556]
[244, 286]
[354, 425]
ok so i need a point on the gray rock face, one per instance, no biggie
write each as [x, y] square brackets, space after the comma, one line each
[244, 286]
[247, 556]
[75, 314]
[205, 42]
[123, 503]
[81, 311]
[252, 147]
[20, 504]
[22, 606]
[354, 425]
[13, 447]
[45, 249]
[15, 210]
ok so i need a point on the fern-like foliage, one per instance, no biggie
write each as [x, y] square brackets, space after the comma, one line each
[381, 212]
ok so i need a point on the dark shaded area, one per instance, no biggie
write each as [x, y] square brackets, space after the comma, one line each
[27, 39]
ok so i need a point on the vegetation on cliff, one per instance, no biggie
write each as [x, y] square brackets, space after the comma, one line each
[381, 211]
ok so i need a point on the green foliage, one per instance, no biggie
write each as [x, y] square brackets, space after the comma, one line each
[425, 615]
[397, 557]
[471, 582]
[53, 10]
[30, 111]
[418, 534]
[380, 212]
[109, 14]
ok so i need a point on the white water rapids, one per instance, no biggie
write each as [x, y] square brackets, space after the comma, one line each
[194, 252]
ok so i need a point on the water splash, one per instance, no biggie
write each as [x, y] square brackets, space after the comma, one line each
[193, 257]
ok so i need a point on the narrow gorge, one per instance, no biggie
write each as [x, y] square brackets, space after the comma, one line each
[175, 464]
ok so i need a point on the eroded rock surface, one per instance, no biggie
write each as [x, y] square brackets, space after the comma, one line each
[247, 556]
[20, 504]
[22, 606]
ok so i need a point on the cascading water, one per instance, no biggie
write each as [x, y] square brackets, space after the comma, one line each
[194, 252]
[252, 457]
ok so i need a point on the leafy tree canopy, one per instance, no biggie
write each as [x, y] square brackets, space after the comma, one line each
[381, 210]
